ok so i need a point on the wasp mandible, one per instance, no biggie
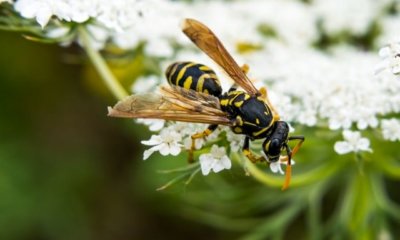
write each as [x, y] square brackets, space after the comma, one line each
[195, 95]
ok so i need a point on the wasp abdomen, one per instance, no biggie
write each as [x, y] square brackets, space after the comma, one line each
[195, 76]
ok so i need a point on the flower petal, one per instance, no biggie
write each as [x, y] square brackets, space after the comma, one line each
[226, 162]
[175, 149]
[205, 163]
[363, 145]
[147, 153]
[44, 16]
[342, 147]
[154, 140]
[276, 167]
[164, 149]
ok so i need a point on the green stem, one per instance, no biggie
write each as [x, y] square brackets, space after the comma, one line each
[173, 181]
[314, 210]
[382, 199]
[17, 29]
[219, 220]
[389, 167]
[181, 169]
[347, 203]
[192, 176]
[297, 180]
[109, 79]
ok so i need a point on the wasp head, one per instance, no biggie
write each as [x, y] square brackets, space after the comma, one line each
[276, 142]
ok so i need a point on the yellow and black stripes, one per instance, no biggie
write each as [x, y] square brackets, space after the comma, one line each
[195, 76]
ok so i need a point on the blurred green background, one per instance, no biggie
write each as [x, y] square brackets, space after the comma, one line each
[67, 171]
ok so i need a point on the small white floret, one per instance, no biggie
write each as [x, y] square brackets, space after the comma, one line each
[167, 143]
[391, 129]
[216, 160]
[353, 142]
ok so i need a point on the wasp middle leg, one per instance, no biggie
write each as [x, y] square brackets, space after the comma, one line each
[247, 152]
[211, 128]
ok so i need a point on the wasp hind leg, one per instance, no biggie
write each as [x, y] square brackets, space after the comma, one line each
[245, 68]
[246, 151]
[204, 134]
[289, 156]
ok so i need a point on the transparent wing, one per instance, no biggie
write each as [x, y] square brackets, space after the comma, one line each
[206, 40]
[172, 103]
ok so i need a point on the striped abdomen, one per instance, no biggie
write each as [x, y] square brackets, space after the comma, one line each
[194, 76]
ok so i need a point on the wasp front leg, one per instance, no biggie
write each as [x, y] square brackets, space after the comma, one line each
[292, 152]
[247, 152]
[204, 134]
[298, 145]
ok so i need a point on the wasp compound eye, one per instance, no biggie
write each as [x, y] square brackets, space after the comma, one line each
[274, 150]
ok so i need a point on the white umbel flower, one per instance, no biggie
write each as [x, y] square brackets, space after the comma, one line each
[276, 167]
[353, 142]
[235, 140]
[154, 125]
[167, 143]
[391, 129]
[391, 57]
[145, 84]
[341, 15]
[40, 10]
[216, 160]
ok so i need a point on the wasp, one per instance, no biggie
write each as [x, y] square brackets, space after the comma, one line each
[195, 95]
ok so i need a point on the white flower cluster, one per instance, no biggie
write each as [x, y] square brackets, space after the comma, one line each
[391, 58]
[354, 16]
[127, 22]
[116, 15]
[353, 143]
[124, 22]
[391, 129]
[176, 137]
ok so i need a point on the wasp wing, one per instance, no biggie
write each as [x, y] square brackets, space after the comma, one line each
[172, 103]
[206, 40]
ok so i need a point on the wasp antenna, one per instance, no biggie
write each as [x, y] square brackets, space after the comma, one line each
[288, 168]
[288, 176]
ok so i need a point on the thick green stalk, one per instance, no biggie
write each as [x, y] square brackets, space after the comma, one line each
[298, 179]
[109, 79]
